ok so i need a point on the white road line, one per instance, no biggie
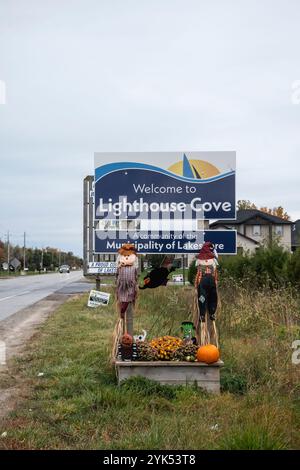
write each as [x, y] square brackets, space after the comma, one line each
[62, 281]
[6, 298]
[16, 295]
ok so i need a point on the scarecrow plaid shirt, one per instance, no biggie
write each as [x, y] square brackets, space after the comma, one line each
[202, 270]
[126, 283]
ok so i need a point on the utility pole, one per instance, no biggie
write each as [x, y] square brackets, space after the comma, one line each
[42, 259]
[24, 253]
[8, 251]
[98, 278]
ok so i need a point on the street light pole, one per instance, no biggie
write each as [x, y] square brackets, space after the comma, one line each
[8, 251]
[24, 252]
[42, 259]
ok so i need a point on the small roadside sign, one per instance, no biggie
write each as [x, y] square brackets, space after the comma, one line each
[177, 278]
[15, 264]
[97, 298]
[102, 267]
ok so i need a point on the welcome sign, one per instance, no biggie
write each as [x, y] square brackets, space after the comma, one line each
[194, 184]
[155, 191]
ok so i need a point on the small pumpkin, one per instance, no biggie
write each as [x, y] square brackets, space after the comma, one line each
[208, 354]
[126, 340]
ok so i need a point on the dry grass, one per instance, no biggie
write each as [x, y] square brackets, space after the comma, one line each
[77, 404]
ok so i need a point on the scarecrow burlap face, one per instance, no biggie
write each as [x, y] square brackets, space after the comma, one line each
[127, 255]
[206, 256]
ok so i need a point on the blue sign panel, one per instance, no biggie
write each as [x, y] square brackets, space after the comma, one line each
[197, 185]
[173, 242]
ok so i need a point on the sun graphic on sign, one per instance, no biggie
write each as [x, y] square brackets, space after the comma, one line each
[197, 169]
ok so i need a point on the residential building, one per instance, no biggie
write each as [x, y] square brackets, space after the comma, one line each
[255, 228]
[296, 235]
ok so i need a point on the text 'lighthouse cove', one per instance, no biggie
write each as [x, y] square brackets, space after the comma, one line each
[196, 205]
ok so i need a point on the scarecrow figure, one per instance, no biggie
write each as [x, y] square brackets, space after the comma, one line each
[206, 294]
[127, 284]
[158, 276]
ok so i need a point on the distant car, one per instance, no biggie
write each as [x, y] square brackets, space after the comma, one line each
[64, 268]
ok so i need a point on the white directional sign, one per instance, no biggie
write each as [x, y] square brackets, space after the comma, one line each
[102, 267]
[97, 298]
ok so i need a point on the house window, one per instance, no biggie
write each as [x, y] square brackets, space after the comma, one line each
[279, 230]
[256, 230]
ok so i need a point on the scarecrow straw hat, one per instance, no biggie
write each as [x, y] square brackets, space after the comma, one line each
[127, 249]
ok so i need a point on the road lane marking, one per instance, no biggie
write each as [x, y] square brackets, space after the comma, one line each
[6, 298]
[65, 280]
[15, 295]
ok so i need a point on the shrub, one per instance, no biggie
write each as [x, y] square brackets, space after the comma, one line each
[269, 265]
[233, 382]
[238, 267]
[192, 272]
[293, 268]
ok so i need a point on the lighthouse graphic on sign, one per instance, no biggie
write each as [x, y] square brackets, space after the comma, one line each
[196, 169]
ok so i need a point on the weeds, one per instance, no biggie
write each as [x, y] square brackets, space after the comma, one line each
[77, 403]
[145, 387]
[252, 438]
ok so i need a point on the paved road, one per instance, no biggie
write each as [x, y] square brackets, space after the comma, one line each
[20, 292]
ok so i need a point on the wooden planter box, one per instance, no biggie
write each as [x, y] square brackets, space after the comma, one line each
[207, 376]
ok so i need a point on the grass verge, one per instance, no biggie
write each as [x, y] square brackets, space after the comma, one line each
[76, 403]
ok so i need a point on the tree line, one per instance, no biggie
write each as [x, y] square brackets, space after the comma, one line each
[279, 211]
[36, 258]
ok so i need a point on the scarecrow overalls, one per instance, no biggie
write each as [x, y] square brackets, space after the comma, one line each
[206, 285]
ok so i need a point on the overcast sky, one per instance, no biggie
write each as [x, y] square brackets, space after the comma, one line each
[142, 75]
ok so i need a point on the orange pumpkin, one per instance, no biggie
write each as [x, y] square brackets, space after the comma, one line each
[208, 354]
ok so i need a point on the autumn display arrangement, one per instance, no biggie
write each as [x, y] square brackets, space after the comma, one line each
[170, 348]
[199, 341]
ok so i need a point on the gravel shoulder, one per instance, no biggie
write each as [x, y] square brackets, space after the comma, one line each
[15, 332]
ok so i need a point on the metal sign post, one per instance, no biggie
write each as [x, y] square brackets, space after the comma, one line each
[92, 263]
[88, 227]
[87, 188]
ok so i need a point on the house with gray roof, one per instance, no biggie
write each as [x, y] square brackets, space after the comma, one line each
[255, 228]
